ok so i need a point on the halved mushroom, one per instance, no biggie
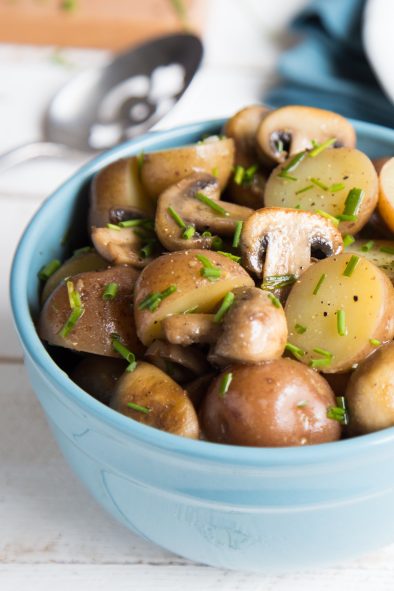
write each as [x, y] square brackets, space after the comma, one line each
[150, 396]
[122, 246]
[292, 129]
[186, 329]
[98, 375]
[287, 236]
[160, 170]
[181, 201]
[180, 363]
[118, 185]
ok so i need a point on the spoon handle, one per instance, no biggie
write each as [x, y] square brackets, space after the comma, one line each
[25, 152]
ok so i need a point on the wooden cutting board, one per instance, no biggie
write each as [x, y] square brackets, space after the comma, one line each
[112, 24]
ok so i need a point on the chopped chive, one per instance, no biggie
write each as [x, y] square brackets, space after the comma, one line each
[73, 296]
[49, 269]
[113, 227]
[345, 217]
[353, 201]
[206, 234]
[215, 171]
[348, 240]
[139, 408]
[190, 310]
[154, 299]
[339, 412]
[279, 146]
[189, 232]
[319, 184]
[140, 163]
[336, 187]
[294, 162]
[387, 249]
[148, 249]
[227, 302]
[297, 352]
[124, 352]
[237, 233]
[225, 384]
[326, 215]
[249, 174]
[205, 261]
[297, 206]
[211, 274]
[110, 291]
[176, 217]
[274, 300]
[375, 342]
[83, 250]
[341, 323]
[217, 242]
[307, 188]
[133, 223]
[239, 174]
[300, 328]
[319, 283]
[230, 256]
[211, 203]
[278, 281]
[322, 362]
[323, 352]
[350, 267]
[368, 246]
[71, 321]
[320, 147]
[285, 175]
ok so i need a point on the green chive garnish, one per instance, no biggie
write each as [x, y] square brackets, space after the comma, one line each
[348, 240]
[285, 175]
[352, 264]
[239, 174]
[353, 201]
[148, 249]
[249, 174]
[211, 203]
[209, 271]
[368, 246]
[83, 250]
[300, 328]
[274, 300]
[73, 296]
[154, 299]
[297, 352]
[237, 233]
[227, 302]
[336, 187]
[139, 408]
[176, 217]
[307, 188]
[326, 215]
[278, 281]
[323, 352]
[124, 352]
[225, 384]
[346, 217]
[387, 249]
[319, 283]
[47, 270]
[319, 184]
[323, 362]
[320, 147]
[339, 412]
[140, 163]
[230, 256]
[217, 242]
[110, 291]
[375, 342]
[189, 232]
[113, 227]
[71, 321]
[133, 223]
[294, 162]
[215, 171]
[341, 323]
[206, 234]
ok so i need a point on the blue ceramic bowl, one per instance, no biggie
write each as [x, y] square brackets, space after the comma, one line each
[233, 507]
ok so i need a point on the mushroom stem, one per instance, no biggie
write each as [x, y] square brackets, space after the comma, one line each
[186, 329]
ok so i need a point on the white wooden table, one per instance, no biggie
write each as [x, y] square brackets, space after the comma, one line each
[51, 531]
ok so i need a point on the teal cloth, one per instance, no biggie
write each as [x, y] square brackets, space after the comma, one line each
[328, 68]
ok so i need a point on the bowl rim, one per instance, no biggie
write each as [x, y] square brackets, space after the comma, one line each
[208, 451]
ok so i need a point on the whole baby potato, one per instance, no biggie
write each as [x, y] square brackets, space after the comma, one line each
[370, 393]
[275, 404]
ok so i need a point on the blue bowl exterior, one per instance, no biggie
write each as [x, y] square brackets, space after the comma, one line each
[232, 507]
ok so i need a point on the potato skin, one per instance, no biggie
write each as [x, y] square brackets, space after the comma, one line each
[170, 408]
[278, 403]
[182, 269]
[98, 375]
[92, 332]
[370, 393]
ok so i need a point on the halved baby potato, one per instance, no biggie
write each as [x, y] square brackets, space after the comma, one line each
[379, 252]
[101, 318]
[181, 278]
[118, 185]
[386, 193]
[338, 312]
[150, 396]
[323, 182]
[160, 170]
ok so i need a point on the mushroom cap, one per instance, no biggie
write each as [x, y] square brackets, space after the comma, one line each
[287, 237]
[120, 247]
[242, 127]
[190, 358]
[296, 126]
[186, 329]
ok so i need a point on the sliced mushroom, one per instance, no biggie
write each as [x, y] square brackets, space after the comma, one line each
[287, 237]
[117, 185]
[186, 329]
[180, 363]
[292, 129]
[122, 246]
[181, 199]
[150, 396]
